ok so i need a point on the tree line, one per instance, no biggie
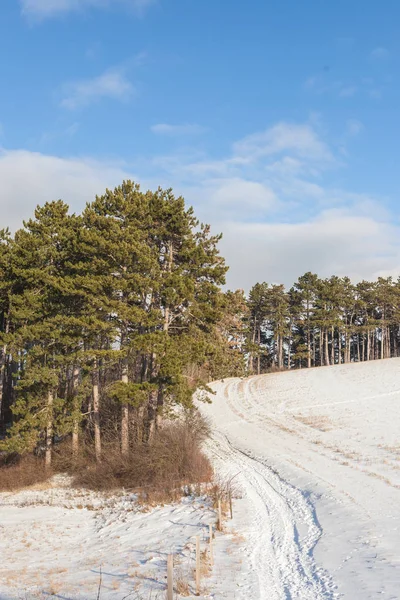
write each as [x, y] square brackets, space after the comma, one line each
[322, 322]
[108, 320]
[112, 318]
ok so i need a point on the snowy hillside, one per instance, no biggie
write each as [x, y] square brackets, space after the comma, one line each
[58, 542]
[317, 453]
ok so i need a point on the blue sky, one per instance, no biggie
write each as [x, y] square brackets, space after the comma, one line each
[278, 121]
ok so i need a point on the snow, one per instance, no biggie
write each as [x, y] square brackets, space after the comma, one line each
[55, 541]
[317, 456]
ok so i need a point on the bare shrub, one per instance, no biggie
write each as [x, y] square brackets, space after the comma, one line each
[158, 471]
[224, 489]
[17, 472]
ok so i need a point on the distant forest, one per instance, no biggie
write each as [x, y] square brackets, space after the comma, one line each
[113, 318]
[322, 322]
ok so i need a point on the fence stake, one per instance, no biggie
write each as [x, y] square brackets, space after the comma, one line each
[219, 515]
[170, 576]
[211, 546]
[197, 565]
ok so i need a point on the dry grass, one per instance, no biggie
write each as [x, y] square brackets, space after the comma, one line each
[181, 584]
[320, 422]
[22, 472]
[157, 471]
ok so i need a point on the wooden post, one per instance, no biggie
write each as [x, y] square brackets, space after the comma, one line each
[211, 546]
[219, 515]
[230, 504]
[198, 565]
[170, 576]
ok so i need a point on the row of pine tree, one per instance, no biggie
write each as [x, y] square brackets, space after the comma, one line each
[112, 318]
[108, 319]
[322, 322]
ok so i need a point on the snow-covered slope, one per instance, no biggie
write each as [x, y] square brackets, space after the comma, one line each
[317, 454]
[58, 542]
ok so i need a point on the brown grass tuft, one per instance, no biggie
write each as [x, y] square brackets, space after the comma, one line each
[157, 471]
[21, 472]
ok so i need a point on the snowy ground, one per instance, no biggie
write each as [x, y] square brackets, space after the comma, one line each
[53, 543]
[317, 454]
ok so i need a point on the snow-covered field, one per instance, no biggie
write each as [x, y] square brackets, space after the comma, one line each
[59, 543]
[317, 454]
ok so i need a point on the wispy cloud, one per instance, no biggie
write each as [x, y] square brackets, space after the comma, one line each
[300, 140]
[176, 130]
[375, 93]
[348, 91]
[67, 133]
[319, 84]
[354, 127]
[111, 84]
[44, 9]
[380, 53]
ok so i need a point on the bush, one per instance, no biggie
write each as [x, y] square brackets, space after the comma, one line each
[18, 472]
[157, 471]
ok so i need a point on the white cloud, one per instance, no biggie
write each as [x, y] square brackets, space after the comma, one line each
[111, 84]
[238, 197]
[30, 178]
[340, 243]
[301, 140]
[176, 130]
[43, 9]
[278, 216]
[380, 53]
[354, 127]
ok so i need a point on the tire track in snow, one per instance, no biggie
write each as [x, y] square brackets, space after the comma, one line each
[285, 529]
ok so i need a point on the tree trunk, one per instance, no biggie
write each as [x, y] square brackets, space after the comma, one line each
[150, 424]
[49, 429]
[75, 430]
[259, 350]
[150, 418]
[308, 336]
[314, 350]
[321, 347]
[2, 374]
[125, 413]
[251, 358]
[96, 411]
[332, 346]
[388, 342]
[160, 405]
[280, 351]
[168, 268]
[327, 349]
